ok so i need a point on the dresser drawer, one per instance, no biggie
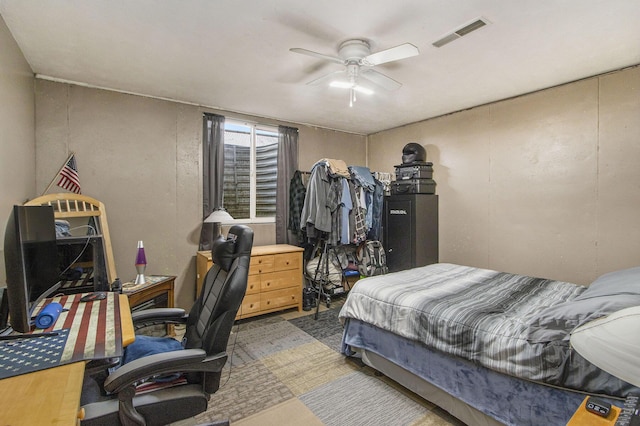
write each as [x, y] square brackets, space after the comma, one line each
[261, 264]
[250, 305]
[274, 282]
[253, 284]
[281, 279]
[286, 261]
[279, 298]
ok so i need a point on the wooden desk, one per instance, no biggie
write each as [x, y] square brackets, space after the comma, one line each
[126, 322]
[154, 290]
[157, 292]
[52, 396]
[46, 397]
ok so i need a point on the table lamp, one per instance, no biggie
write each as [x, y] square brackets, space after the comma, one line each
[218, 217]
[141, 264]
[612, 343]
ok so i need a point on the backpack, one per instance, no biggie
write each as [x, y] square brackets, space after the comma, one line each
[371, 259]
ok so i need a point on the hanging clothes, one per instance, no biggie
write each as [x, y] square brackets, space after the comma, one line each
[297, 194]
[334, 204]
[357, 228]
[316, 215]
[346, 207]
[342, 204]
[363, 177]
[337, 167]
[375, 233]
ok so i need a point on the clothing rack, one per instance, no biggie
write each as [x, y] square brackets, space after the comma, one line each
[320, 281]
[351, 189]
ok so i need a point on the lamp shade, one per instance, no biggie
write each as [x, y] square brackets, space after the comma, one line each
[612, 343]
[219, 216]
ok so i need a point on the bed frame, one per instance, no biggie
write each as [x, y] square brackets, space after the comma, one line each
[470, 392]
[68, 205]
[428, 391]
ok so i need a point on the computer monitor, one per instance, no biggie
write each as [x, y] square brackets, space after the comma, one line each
[81, 263]
[31, 261]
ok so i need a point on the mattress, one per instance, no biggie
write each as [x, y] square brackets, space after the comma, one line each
[487, 317]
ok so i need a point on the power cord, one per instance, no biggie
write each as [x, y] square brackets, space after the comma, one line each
[86, 244]
[233, 348]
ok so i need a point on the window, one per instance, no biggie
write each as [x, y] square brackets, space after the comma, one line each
[250, 171]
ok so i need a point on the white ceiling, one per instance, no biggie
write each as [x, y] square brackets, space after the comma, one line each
[234, 54]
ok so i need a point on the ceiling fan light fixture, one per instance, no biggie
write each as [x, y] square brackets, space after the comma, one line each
[354, 54]
[364, 90]
[348, 85]
[341, 84]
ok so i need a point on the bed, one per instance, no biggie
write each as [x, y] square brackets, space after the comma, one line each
[489, 347]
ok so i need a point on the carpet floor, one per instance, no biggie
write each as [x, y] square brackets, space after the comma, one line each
[286, 369]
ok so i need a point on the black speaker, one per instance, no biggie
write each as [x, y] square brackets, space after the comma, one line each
[410, 230]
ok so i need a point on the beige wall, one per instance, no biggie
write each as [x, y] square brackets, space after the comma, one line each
[142, 158]
[17, 135]
[546, 184]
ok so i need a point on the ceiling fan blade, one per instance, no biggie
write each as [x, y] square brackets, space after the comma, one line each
[402, 51]
[327, 78]
[380, 79]
[317, 55]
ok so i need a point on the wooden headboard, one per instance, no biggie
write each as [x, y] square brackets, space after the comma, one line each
[68, 205]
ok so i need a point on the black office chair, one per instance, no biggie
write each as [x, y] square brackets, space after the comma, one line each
[208, 327]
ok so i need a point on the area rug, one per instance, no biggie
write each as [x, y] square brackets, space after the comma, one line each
[287, 370]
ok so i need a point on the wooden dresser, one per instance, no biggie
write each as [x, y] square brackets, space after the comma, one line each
[275, 279]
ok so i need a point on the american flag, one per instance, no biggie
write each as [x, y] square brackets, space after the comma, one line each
[95, 327]
[69, 178]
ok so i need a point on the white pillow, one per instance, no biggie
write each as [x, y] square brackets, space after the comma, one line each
[612, 343]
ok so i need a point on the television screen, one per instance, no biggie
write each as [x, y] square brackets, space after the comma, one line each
[31, 260]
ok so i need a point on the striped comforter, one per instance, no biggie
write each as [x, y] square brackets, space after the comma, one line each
[477, 314]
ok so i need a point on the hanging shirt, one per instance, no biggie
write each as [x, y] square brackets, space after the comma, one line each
[297, 193]
[375, 233]
[363, 177]
[347, 205]
[358, 231]
[315, 214]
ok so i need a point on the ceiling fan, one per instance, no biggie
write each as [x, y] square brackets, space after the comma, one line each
[356, 56]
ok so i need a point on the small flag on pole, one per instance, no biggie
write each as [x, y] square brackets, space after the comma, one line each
[69, 178]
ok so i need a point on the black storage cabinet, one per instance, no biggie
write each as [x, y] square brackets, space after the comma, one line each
[410, 230]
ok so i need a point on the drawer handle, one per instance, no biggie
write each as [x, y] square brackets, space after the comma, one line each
[259, 271]
[268, 283]
[251, 287]
[251, 305]
[268, 302]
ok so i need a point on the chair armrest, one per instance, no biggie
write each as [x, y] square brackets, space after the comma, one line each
[159, 315]
[153, 365]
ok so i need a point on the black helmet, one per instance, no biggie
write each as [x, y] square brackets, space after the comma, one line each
[413, 152]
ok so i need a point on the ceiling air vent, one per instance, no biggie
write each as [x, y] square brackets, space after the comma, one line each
[478, 23]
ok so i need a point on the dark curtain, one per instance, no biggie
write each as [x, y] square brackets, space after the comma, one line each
[213, 172]
[287, 165]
